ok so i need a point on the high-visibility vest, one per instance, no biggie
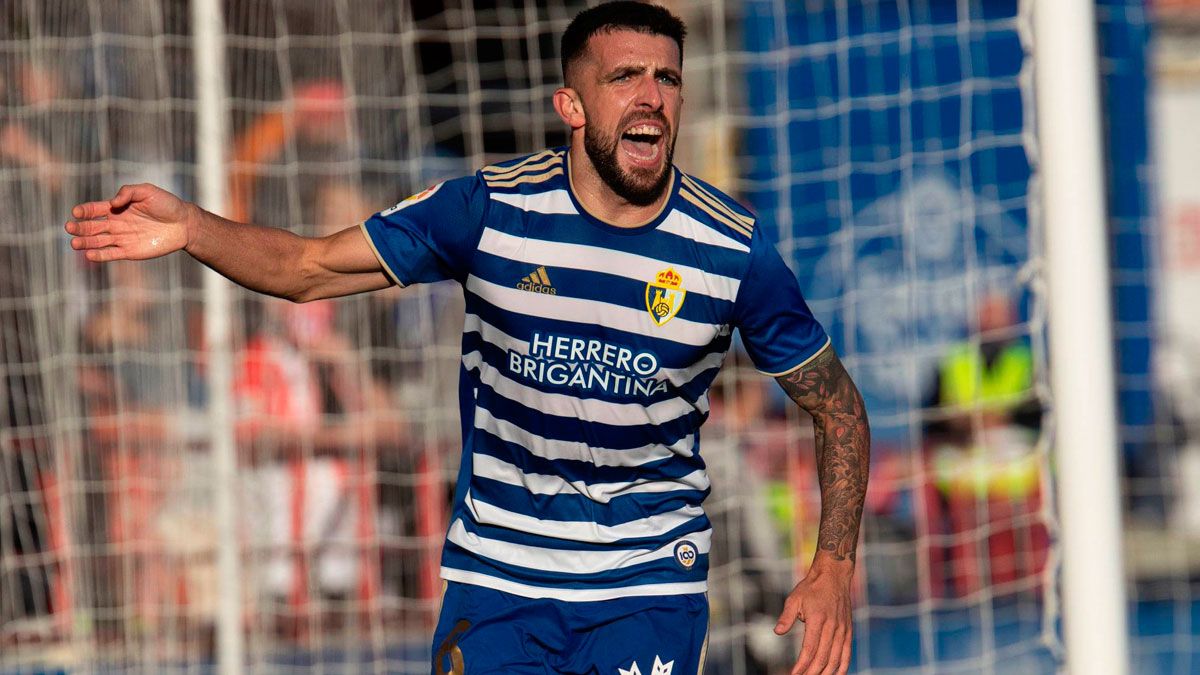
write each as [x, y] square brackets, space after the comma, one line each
[968, 382]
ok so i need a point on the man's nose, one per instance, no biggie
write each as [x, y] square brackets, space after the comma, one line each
[649, 93]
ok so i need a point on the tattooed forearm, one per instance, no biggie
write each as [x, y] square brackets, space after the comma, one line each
[843, 443]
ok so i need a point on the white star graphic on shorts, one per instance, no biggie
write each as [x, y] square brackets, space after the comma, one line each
[660, 668]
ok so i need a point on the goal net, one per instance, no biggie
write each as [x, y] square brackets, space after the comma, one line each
[888, 146]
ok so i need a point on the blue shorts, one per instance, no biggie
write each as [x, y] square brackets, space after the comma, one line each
[482, 631]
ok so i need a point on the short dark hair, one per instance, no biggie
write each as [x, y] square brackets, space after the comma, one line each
[642, 17]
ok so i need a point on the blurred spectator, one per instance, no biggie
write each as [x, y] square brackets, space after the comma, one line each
[392, 332]
[981, 431]
[313, 131]
[136, 411]
[34, 161]
[143, 375]
[32, 87]
[770, 510]
[43, 141]
[314, 418]
[25, 454]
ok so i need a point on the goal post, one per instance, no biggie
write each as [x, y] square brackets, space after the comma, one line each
[212, 181]
[1081, 336]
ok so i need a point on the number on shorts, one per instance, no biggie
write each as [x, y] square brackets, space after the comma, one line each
[449, 648]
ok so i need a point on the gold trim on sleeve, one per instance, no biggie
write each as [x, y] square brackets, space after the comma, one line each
[538, 178]
[687, 194]
[524, 168]
[497, 169]
[382, 262]
[803, 363]
[712, 199]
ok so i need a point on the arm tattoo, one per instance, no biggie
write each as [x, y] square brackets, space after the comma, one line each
[824, 389]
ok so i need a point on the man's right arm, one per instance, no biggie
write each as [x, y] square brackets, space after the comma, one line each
[142, 222]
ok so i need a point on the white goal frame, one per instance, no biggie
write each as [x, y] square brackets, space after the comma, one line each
[1075, 225]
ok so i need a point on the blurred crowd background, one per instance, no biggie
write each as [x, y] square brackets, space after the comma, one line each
[889, 148]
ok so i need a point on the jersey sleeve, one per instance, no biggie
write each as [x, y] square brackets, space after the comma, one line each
[777, 327]
[432, 235]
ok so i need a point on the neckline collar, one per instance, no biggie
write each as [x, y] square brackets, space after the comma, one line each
[650, 224]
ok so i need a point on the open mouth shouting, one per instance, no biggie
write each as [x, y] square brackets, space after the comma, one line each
[643, 142]
[635, 163]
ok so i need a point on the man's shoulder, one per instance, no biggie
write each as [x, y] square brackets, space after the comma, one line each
[715, 209]
[534, 171]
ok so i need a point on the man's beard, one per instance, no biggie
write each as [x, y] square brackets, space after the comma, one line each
[638, 187]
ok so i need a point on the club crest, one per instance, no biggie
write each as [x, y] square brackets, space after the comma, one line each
[664, 296]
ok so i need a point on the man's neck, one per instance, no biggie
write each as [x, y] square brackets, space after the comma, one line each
[601, 201]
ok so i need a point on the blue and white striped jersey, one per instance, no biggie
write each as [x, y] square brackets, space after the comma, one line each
[587, 354]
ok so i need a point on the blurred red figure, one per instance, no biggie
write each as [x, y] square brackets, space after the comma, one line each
[986, 474]
[310, 418]
[314, 121]
[301, 501]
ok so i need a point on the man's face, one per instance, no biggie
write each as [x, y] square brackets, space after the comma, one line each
[631, 89]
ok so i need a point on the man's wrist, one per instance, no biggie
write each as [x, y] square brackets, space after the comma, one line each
[827, 561]
[192, 223]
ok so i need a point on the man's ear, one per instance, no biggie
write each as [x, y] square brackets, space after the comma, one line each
[569, 107]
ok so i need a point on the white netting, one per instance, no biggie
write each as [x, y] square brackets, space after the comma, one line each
[885, 144]
[1163, 533]
[891, 145]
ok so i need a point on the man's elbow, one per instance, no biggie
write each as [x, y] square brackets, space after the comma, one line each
[300, 297]
[309, 275]
[306, 289]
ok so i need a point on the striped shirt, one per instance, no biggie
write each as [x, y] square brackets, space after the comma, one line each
[587, 354]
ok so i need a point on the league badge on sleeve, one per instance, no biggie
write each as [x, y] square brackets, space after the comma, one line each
[419, 197]
[664, 296]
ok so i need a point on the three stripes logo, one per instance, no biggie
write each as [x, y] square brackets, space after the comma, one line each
[538, 282]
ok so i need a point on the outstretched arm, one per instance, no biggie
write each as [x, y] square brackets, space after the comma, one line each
[143, 221]
[822, 600]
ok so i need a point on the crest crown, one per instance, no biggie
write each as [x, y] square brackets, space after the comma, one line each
[669, 278]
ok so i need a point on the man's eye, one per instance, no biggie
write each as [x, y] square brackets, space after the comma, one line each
[667, 79]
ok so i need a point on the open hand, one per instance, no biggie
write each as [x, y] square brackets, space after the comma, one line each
[140, 222]
[822, 601]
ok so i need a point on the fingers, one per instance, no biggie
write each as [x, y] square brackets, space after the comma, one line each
[93, 242]
[847, 641]
[91, 210]
[787, 618]
[126, 195]
[814, 654]
[96, 239]
[833, 659]
[837, 659]
[129, 194]
[87, 228]
[92, 236]
[823, 603]
[826, 648]
[105, 254]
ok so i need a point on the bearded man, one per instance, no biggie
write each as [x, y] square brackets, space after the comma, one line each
[602, 289]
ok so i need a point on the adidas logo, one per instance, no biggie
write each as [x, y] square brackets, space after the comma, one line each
[538, 282]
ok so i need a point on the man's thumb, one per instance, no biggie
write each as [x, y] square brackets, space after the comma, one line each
[787, 618]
